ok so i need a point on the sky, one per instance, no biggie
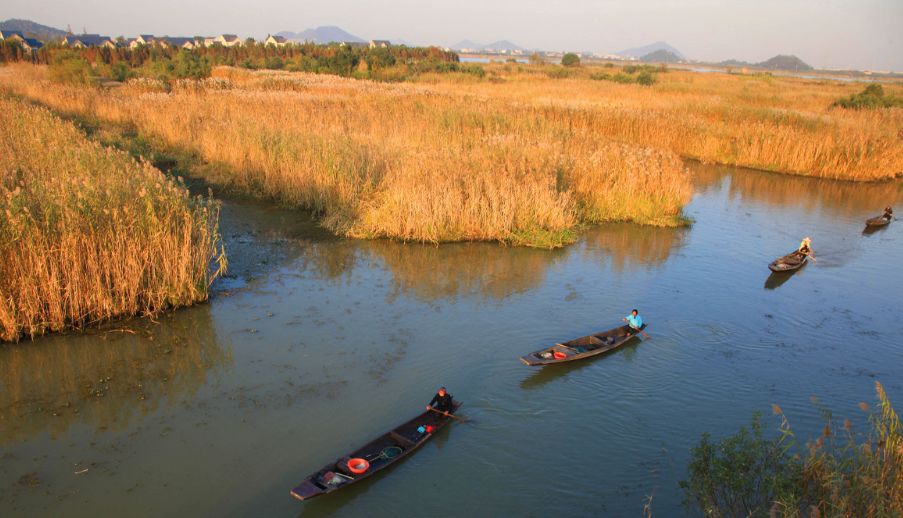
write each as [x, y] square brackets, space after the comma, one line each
[862, 34]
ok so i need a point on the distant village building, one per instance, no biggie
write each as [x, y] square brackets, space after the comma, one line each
[88, 40]
[12, 35]
[608, 57]
[179, 42]
[277, 41]
[27, 44]
[352, 44]
[31, 44]
[227, 40]
[380, 44]
[142, 39]
[208, 41]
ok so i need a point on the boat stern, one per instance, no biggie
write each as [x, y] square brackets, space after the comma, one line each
[529, 360]
[306, 490]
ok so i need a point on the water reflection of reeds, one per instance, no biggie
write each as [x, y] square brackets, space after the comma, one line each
[843, 198]
[487, 270]
[629, 247]
[484, 270]
[104, 379]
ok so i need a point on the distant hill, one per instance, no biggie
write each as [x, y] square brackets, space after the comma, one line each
[661, 56]
[503, 45]
[638, 52]
[782, 62]
[496, 46]
[325, 34]
[32, 29]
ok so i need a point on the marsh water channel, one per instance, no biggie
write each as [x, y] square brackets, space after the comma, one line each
[316, 344]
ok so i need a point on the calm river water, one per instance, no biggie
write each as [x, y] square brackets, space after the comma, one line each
[317, 344]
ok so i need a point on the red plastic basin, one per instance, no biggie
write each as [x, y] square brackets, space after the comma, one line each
[358, 466]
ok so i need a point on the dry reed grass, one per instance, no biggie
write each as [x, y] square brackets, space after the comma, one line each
[399, 161]
[87, 234]
[780, 124]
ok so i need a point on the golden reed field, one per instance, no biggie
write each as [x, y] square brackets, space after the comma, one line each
[87, 234]
[524, 156]
[393, 160]
[760, 121]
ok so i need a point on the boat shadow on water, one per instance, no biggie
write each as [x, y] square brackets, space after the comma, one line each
[548, 373]
[869, 230]
[777, 279]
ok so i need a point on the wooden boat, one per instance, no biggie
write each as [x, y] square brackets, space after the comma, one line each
[382, 452]
[580, 348]
[788, 263]
[879, 221]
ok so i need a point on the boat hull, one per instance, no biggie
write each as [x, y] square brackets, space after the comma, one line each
[880, 221]
[788, 263]
[582, 348]
[404, 437]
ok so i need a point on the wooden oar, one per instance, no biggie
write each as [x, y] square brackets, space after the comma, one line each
[643, 333]
[453, 416]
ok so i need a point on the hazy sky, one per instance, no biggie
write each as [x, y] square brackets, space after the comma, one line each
[826, 33]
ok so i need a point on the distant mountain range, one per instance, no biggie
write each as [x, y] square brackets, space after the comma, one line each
[325, 34]
[32, 29]
[639, 52]
[658, 52]
[496, 46]
[779, 62]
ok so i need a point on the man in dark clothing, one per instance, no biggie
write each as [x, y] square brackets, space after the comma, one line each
[442, 402]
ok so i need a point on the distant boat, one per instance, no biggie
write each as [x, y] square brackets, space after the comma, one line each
[788, 263]
[879, 221]
[581, 348]
[375, 456]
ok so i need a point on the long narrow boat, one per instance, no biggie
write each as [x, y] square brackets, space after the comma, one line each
[379, 454]
[879, 221]
[580, 348]
[790, 262]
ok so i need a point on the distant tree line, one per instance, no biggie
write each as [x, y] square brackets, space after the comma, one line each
[121, 63]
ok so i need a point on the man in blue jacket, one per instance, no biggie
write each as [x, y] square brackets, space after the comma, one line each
[634, 322]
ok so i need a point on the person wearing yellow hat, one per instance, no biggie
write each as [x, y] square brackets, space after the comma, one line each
[806, 247]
